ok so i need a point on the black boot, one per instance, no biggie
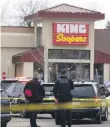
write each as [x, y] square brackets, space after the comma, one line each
[38, 126]
[69, 126]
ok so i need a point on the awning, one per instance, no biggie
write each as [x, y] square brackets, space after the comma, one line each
[37, 55]
[101, 57]
[32, 55]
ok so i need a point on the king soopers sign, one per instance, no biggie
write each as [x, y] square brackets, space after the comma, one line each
[70, 34]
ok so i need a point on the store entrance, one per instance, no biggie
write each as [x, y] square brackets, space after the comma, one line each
[75, 71]
[98, 73]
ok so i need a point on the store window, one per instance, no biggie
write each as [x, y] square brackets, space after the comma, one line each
[98, 73]
[68, 54]
[39, 36]
[39, 67]
[54, 54]
[79, 71]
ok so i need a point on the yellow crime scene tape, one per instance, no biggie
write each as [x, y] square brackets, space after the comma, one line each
[37, 107]
[52, 98]
[83, 103]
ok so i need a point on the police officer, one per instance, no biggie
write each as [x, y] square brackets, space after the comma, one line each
[62, 92]
[34, 92]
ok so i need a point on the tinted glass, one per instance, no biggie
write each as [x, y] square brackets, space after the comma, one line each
[10, 89]
[83, 91]
[68, 54]
[48, 87]
[5, 84]
[3, 94]
[19, 88]
[75, 71]
[54, 54]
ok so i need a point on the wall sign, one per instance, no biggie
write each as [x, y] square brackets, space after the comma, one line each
[70, 33]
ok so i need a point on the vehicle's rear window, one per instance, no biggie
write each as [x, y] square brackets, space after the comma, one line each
[48, 87]
[3, 94]
[19, 88]
[5, 84]
[83, 91]
[23, 82]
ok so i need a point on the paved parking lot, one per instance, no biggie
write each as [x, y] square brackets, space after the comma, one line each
[47, 121]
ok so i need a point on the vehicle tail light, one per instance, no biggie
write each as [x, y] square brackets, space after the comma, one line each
[97, 99]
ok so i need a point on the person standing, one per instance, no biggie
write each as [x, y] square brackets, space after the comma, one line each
[62, 92]
[34, 92]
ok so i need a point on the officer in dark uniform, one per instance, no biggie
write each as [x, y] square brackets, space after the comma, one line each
[34, 92]
[62, 93]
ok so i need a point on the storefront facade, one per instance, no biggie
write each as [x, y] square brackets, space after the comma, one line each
[69, 54]
[14, 40]
[68, 40]
[65, 41]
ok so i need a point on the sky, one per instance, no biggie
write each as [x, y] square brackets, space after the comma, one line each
[97, 5]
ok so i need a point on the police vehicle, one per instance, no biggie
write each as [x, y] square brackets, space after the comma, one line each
[5, 83]
[5, 116]
[16, 95]
[49, 98]
[88, 91]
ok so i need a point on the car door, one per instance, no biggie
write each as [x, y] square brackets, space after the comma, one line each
[4, 102]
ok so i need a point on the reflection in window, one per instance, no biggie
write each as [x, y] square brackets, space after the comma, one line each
[39, 36]
[9, 90]
[83, 91]
[84, 54]
[54, 54]
[98, 73]
[77, 71]
[39, 67]
[68, 54]
[19, 88]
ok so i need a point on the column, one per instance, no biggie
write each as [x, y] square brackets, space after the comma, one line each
[92, 64]
[35, 34]
[91, 44]
[106, 72]
[92, 71]
[45, 65]
[28, 69]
